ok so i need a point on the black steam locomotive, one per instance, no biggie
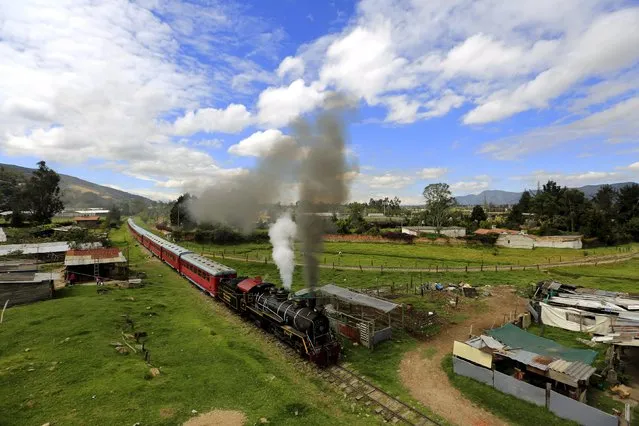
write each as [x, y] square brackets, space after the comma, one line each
[297, 322]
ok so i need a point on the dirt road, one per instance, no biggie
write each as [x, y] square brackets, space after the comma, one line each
[421, 372]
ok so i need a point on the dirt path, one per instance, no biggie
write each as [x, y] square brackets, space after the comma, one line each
[218, 418]
[421, 372]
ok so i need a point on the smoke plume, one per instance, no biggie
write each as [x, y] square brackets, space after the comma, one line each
[314, 159]
[322, 179]
[282, 235]
[237, 200]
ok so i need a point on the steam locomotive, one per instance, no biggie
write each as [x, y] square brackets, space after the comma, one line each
[297, 322]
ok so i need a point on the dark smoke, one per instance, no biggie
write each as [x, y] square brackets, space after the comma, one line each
[238, 200]
[322, 179]
[316, 161]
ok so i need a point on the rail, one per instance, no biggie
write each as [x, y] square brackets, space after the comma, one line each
[389, 407]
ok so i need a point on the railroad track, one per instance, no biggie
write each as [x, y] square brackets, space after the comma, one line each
[383, 404]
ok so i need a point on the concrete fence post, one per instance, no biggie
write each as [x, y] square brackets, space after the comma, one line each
[548, 388]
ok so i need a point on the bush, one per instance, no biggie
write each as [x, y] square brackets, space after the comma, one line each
[483, 239]
[399, 236]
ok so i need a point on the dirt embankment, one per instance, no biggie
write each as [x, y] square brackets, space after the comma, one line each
[421, 371]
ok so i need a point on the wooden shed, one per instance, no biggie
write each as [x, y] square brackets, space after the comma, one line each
[26, 287]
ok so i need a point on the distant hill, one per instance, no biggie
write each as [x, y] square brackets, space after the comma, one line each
[79, 193]
[498, 197]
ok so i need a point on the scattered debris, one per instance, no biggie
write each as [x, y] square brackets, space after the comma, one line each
[622, 390]
[263, 420]
[27, 349]
[122, 350]
[154, 372]
[193, 411]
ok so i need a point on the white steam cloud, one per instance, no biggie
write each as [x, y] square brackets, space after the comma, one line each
[282, 235]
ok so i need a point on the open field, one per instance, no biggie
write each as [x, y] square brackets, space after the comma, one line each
[419, 255]
[57, 365]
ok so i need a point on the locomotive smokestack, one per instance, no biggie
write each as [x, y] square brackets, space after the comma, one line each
[322, 183]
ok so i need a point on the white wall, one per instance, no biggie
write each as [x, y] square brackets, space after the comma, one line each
[528, 242]
[449, 232]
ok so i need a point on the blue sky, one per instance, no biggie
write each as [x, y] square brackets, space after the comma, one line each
[159, 97]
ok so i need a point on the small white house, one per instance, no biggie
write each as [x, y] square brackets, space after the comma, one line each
[449, 231]
[527, 241]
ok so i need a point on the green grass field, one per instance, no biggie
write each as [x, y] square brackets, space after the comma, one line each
[419, 255]
[57, 365]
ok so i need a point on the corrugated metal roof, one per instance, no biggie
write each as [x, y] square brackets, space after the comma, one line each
[576, 370]
[528, 358]
[52, 247]
[93, 256]
[358, 298]
[28, 277]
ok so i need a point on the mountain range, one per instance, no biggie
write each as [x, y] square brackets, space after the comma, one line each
[497, 197]
[79, 193]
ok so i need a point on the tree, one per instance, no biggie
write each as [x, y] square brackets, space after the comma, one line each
[628, 202]
[42, 194]
[439, 201]
[180, 215]
[113, 217]
[574, 206]
[478, 214]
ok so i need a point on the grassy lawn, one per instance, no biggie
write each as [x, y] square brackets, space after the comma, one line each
[508, 407]
[57, 365]
[421, 255]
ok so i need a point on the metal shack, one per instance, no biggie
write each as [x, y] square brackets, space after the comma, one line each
[26, 287]
[88, 265]
[363, 319]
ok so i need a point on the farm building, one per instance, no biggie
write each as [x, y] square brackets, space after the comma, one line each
[497, 231]
[527, 241]
[87, 221]
[449, 231]
[87, 265]
[361, 318]
[26, 287]
[19, 265]
[51, 251]
[92, 212]
[518, 358]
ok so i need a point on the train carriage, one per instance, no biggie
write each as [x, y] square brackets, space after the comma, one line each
[296, 322]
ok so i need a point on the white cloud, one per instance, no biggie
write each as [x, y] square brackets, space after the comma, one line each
[388, 181]
[149, 193]
[363, 63]
[422, 59]
[570, 180]
[466, 187]
[291, 66]
[634, 167]
[432, 173]
[278, 106]
[618, 123]
[233, 119]
[616, 38]
[261, 144]
[95, 81]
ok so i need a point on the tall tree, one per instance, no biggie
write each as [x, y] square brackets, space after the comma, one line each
[478, 214]
[42, 194]
[439, 201]
[574, 205]
[628, 202]
[180, 215]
